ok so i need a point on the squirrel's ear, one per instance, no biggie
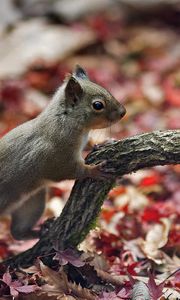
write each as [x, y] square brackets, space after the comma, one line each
[73, 91]
[80, 72]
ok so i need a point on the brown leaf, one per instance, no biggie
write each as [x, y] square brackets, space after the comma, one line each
[114, 280]
[58, 285]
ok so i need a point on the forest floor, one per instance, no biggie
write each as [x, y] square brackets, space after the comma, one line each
[134, 252]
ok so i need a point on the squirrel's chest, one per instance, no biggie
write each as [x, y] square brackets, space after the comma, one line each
[65, 158]
[69, 147]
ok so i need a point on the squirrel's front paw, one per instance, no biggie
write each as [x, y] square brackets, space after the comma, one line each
[101, 171]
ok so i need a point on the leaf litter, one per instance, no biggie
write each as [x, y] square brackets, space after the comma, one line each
[139, 228]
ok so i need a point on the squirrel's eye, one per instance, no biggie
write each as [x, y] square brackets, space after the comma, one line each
[98, 105]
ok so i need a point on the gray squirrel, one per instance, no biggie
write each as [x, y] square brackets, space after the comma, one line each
[48, 149]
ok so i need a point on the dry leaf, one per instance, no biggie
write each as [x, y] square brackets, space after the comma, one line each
[114, 280]
[58, 285]
[133, 198]
[170, 264]
[170, 294]
[17, 49]
[156, 238]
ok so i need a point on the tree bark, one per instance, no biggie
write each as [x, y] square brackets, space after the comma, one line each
[84, 204]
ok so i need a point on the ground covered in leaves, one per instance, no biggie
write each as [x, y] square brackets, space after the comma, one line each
[134, 251]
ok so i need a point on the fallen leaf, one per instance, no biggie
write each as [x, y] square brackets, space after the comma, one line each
[69, 256]
[58, 284]
[14, 286]
[156, 238]
[140, 291]
[155, 290]
[17, 50]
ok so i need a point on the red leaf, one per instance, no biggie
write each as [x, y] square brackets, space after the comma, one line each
[109, 244]
[107, 214]
[155, 290]
[12, 93]
[131, 268]
[7, 278]
[119, 190]
[26, 289]
[57, 191]
[175, 281]
[125, 292]
[150, 180]
[16, 286]
[174, 236]
[69, 256]
[4, 250]
[151, 214]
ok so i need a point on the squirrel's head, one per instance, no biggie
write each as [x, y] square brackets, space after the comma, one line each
[92, 104]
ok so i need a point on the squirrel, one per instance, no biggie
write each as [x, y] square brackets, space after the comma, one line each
[48, 149]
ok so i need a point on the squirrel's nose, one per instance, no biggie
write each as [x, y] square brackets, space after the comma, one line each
[122, 111]
[117, 113]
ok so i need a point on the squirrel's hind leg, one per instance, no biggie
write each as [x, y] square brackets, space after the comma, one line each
[27, 215]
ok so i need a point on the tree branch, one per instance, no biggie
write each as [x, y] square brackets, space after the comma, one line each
[87, 196]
